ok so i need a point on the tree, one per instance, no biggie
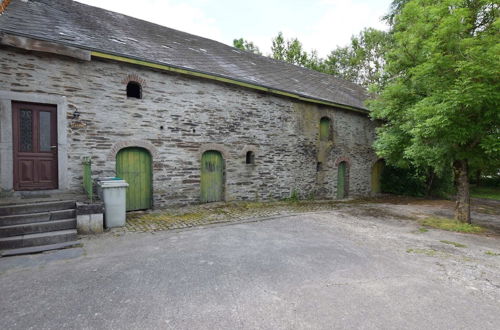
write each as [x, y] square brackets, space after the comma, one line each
[246, 45]
[441, 103]
[394, 10]
[292, 51]
[288, 50]
[362, 62]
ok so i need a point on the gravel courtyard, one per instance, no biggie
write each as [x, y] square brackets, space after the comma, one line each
[358, 266]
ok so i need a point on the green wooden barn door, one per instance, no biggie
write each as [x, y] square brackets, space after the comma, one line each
[341, 181]
[212, 177]
[134, 166]
[377, 169]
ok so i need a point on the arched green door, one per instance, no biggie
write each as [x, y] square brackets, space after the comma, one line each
[134, 166]
[377, 169]
[342, 181]
[212, 177]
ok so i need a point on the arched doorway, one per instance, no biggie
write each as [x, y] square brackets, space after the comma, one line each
[134, 166]
[212, 177]
[325, 125]
[377, 169]
[342, 182]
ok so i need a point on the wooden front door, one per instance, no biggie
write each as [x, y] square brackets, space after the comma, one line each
[34, 128]
[342, 181]
[134, 166]
[212, 177]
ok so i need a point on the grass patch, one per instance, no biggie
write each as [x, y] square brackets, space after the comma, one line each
[455, 244]
[423, 230]
[428, 252]
[491, 253]
[486, 192]
[452, 225]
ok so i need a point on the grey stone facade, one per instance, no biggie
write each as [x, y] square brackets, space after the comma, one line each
[180, 117]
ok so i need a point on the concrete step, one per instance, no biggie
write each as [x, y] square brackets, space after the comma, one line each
[41, 248]
[13, 209]
[37, 227]
[17, 219]
[28, 240]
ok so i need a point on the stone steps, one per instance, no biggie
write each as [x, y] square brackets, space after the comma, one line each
[9, 220]
[38, 249]
[37, 227]
[14, 209]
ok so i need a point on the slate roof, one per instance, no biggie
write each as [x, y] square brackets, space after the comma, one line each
[75, 24]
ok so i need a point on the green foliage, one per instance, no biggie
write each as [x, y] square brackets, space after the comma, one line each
[452, 225]
[246, 45]
[455, 244]
[293, 52]
[402, 181]
[294, 197]
[361, 62]
[413, 181]
[486, 192]
[395, 9]
[441, 103]
[428, 252]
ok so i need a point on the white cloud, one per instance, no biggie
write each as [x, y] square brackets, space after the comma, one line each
[179, 16]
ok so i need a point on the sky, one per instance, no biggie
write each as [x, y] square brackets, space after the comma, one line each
[319, 24]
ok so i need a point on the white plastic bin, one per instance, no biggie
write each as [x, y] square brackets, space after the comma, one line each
[105, 178]
[113, 194]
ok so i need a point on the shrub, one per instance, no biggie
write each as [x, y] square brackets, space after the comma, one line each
[413, 181]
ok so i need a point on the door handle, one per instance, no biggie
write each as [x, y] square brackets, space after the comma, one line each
[53, 147]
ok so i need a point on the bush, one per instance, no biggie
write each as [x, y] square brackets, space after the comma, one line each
[416, 182]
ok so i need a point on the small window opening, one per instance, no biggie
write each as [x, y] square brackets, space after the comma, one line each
[325, 129]
[134, 90]
[250, 157]
[319, 166]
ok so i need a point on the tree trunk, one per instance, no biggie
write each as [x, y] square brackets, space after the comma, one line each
[462, 208]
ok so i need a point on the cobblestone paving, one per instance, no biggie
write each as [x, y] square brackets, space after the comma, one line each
[396, 207]
[151, 221]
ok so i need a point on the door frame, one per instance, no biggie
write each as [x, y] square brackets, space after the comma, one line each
[223, 178]
[379, 179]
[150, 204]
[7, 143]
[36, 108]
[345, 193]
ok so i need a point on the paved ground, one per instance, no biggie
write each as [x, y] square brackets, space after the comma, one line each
[484, 212]
[346, 268]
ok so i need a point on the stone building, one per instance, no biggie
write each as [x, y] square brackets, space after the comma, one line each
[182, 118]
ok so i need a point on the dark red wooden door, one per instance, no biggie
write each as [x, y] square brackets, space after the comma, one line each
[34, 128]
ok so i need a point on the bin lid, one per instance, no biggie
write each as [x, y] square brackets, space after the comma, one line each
[109, 178]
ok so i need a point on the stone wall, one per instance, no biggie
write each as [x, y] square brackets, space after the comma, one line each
[180, 117]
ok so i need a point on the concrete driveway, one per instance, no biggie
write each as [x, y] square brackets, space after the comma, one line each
[324, 270]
